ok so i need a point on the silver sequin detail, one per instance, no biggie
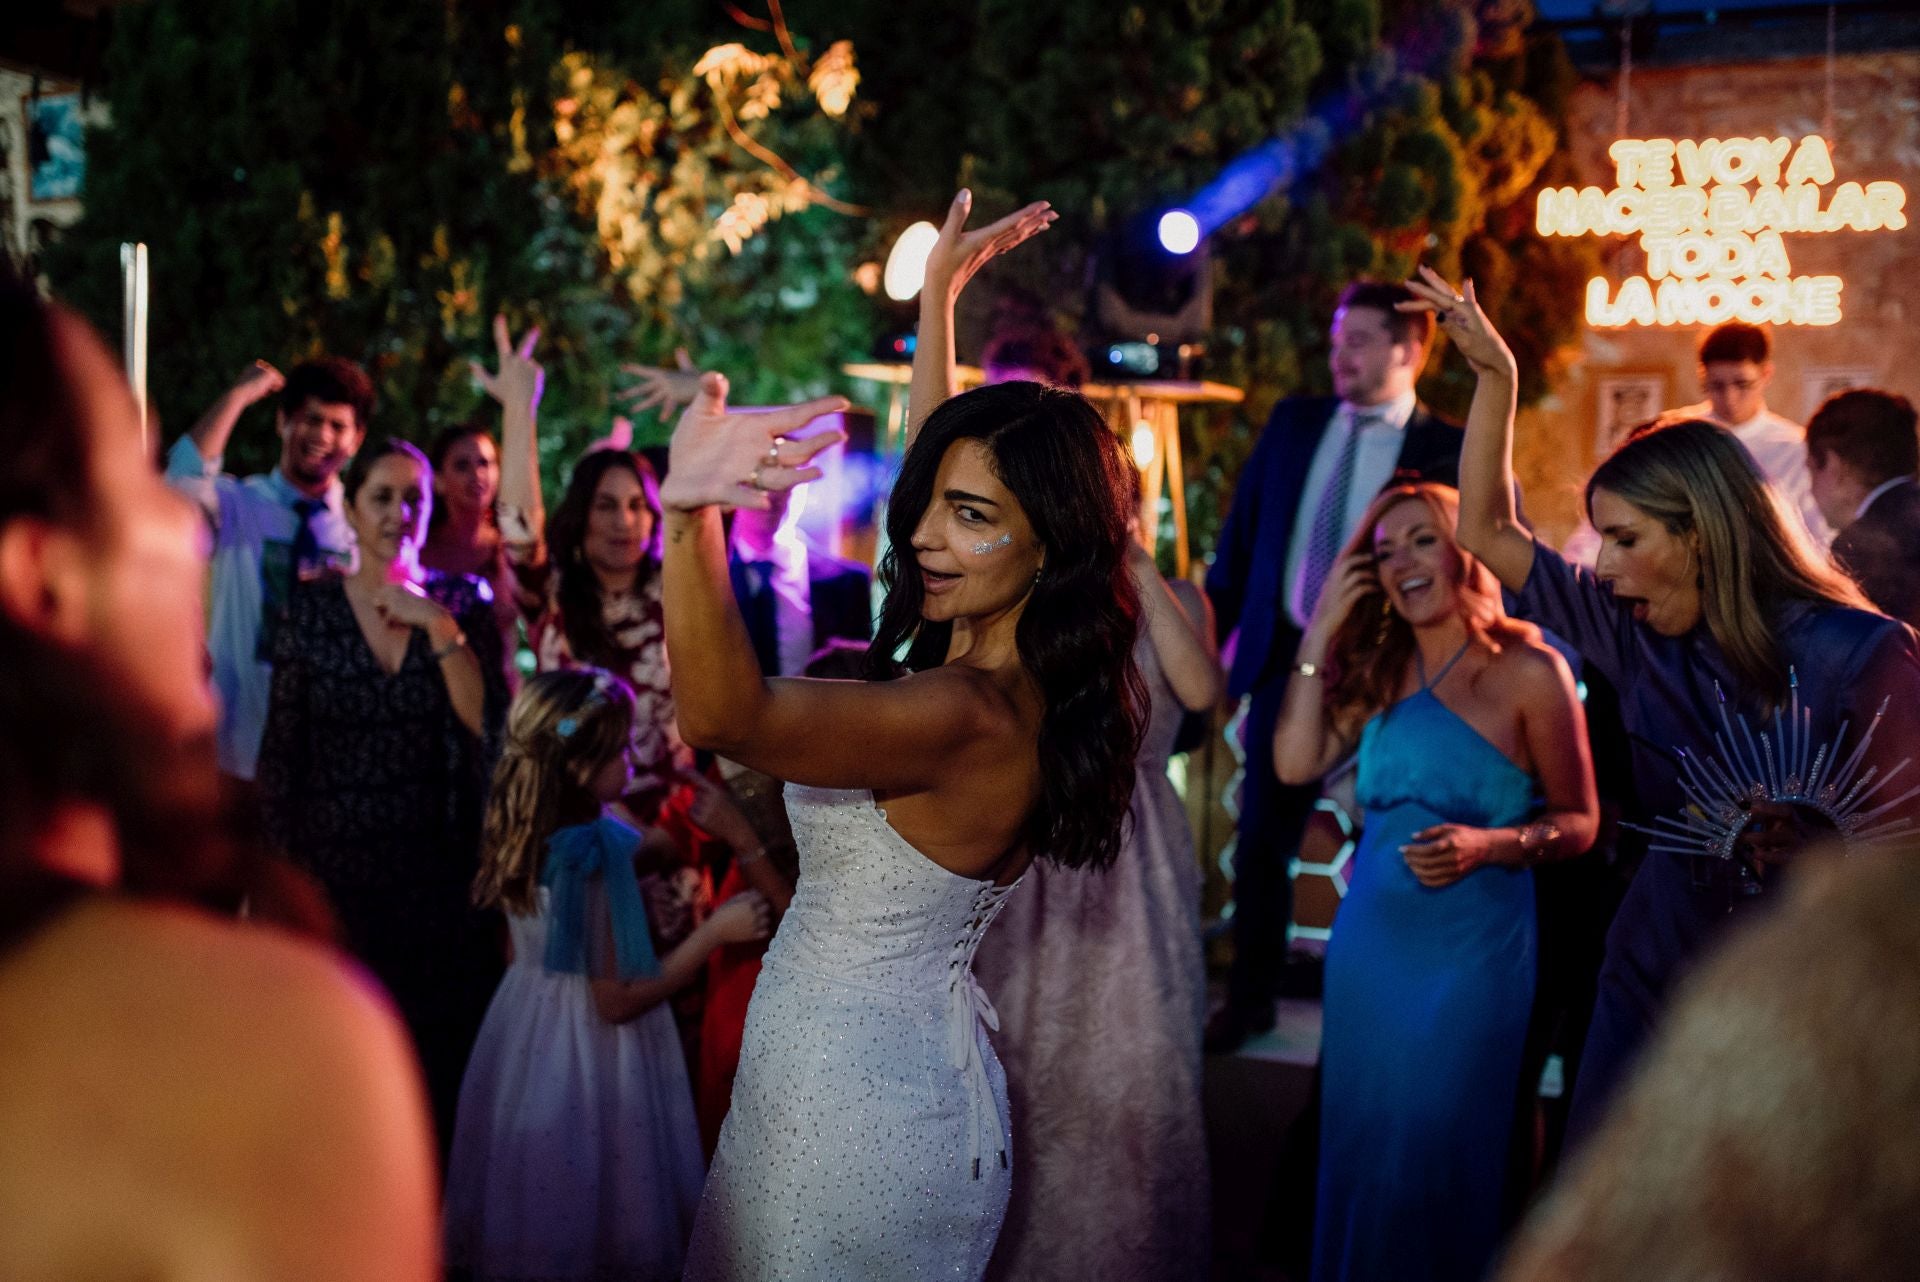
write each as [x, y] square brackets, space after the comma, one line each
[868, 1094]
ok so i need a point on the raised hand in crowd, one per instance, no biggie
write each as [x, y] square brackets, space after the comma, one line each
[660, 389]
[517, 383]
[735, 460]
[956, 256]
[256, 383]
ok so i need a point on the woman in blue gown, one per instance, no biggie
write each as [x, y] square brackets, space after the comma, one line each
[1703, 592]
[1472, 767]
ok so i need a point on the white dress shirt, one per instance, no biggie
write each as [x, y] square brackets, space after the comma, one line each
[1373, 464]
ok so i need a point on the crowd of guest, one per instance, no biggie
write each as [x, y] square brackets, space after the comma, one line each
[436, 733]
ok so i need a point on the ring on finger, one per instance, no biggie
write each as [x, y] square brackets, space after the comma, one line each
[753, 479]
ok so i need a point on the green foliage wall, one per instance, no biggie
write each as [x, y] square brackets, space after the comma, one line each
[377, 179]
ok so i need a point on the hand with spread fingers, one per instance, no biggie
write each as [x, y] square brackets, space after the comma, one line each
[520, 379]
[1460, 316]
[736, 458]
[959, 253]
[660, 389]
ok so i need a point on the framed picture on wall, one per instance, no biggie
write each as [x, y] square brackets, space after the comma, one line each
[1819, 384]
[1623, 401]
[56, 147]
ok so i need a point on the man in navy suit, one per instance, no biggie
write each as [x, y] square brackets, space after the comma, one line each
[1318, 464]
[795, 599]
[1862, 456]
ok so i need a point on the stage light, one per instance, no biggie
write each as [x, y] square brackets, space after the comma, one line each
[907, 264]
[1143, 444]
[1179, 232]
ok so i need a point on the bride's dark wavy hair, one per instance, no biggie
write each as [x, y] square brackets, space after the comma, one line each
[1066, 469]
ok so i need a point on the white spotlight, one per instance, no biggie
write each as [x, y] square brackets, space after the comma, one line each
[1179, 232]
[907, 264]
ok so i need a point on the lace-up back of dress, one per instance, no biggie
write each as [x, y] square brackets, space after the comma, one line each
[872, 910]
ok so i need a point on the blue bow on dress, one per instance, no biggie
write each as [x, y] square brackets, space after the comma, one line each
[575, 855]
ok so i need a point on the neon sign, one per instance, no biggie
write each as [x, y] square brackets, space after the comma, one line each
[1712, 217]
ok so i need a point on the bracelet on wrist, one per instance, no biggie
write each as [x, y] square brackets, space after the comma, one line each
[1535, 840]
[457, 642]
[1308, 668]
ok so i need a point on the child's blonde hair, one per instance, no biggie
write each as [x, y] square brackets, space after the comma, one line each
[562, 727]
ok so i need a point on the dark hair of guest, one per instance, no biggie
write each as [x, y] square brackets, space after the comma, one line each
[1736, 341]
[579, 588]
[1384, 297]
[361, 465]
[1075, 637]
[442, 445]
[331, 380]
[1874, 431]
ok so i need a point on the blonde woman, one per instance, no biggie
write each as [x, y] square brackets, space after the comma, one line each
[1472, 768]
[575, 1154]
[1704, 592]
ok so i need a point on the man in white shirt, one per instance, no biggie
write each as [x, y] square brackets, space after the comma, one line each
[272, 530]
[1736, 365]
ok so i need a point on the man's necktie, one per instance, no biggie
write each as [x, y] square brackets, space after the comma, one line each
[1330, 516]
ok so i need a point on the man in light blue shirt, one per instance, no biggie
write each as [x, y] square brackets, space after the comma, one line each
[272, 530]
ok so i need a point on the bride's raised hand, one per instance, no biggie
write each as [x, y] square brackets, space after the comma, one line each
[735, 458]
[1460, 315]
[959, 253]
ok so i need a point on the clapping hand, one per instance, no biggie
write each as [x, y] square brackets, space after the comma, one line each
[736, 458]
[1460, 315]
[661, 389]
[959, 253]
[520, 379]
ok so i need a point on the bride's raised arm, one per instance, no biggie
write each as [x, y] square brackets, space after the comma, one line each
[891, 736]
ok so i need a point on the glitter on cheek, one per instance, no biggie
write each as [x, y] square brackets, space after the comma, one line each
[1005, 540]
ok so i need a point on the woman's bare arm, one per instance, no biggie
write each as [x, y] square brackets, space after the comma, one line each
[1490, 527]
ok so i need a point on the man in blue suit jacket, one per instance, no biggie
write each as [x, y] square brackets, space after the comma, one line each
[794, 598]
[1317, 465]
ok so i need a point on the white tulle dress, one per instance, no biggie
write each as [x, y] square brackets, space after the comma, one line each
[868, 1135]
[575, 1154]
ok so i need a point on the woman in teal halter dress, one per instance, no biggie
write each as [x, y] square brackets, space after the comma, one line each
[1471, 768]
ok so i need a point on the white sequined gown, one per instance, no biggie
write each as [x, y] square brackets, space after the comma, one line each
[868, 1133]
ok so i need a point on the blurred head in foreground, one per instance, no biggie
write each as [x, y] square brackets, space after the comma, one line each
[1771, 1131]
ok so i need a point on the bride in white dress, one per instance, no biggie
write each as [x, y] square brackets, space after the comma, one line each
[868, 1137]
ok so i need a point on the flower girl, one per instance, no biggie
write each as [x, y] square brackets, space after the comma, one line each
[575, 1154]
